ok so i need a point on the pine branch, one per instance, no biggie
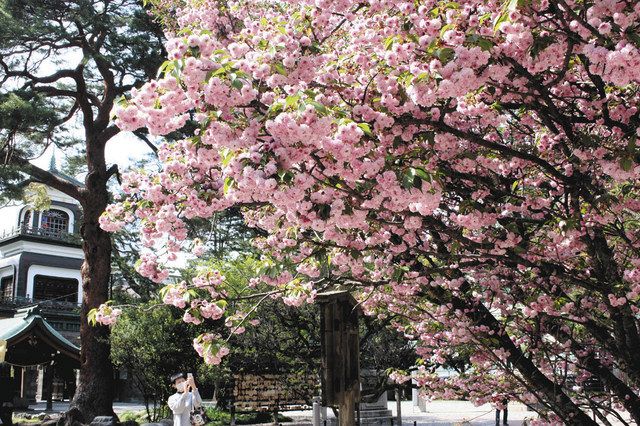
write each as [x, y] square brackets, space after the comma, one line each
[46, 177]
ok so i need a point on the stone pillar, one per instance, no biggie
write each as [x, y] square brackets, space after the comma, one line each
[415, 395]
[40, 392]
[22, 384]
[398, 407]
[316, 411]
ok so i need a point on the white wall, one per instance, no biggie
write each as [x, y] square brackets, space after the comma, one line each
[21, 246]
[53, 272]
[9, 218]
[56, 195]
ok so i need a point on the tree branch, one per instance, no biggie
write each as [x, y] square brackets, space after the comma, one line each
[46, 177]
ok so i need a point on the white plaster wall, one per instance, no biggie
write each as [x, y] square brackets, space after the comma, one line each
[56, 195]
[20, 246]
[9, 218]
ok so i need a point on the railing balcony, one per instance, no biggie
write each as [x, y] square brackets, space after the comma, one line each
[42, 233]
[54, 305]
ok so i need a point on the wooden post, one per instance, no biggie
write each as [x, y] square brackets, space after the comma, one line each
[347, 409]
[340, 354]
[47, 386]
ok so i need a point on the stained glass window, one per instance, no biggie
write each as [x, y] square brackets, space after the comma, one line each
[54, 222]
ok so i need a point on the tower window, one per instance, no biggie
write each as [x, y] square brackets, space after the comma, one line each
[6, 288]
[54, 222]
[55, 289]
[26, 222]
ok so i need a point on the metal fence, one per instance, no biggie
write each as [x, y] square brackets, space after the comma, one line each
[42, 233]
[57, 305]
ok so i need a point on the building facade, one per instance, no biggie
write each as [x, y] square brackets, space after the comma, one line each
[40, 261]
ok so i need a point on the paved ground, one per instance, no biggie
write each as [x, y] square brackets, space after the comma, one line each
[443, 413]
[438, 413]
[449, 412]
[118, 407]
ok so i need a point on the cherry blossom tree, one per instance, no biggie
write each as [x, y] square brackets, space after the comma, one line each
[468, 166]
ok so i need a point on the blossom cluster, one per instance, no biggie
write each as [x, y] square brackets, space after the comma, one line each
[470, 167]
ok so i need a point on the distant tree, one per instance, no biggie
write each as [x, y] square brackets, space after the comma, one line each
[151, 343]
[289, 335]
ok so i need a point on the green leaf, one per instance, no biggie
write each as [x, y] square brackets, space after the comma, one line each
[626, 163]
[219, 71]
[166, 67]
[421, 77]
[422, 174]
[163, 291]
[275, 108]
[280, 69]
[445, 54]
[633, 36]
[226, 155]
[446, 28]
[292, 100]
[482, 42]
[408, 178]
[501, 19]
[508, 7]
[237, 84]
[365, 128]
[91, 316]
[388, 42]
[319, 107]
[631, 145]
[228, 182]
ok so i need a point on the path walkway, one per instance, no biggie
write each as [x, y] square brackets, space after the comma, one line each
[438, 413]
[442, 413]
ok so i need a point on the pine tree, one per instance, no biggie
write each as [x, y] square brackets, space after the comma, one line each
[63, 66]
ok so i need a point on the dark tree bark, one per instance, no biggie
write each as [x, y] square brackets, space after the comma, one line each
[94, 395]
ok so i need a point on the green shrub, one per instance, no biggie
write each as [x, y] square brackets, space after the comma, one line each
[221, 418]
[136, 416]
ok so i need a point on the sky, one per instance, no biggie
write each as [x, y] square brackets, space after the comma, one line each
[124, 150]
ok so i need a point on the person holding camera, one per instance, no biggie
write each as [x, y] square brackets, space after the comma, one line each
[186, 399]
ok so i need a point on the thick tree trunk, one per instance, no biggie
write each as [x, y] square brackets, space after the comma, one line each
[94, 395]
